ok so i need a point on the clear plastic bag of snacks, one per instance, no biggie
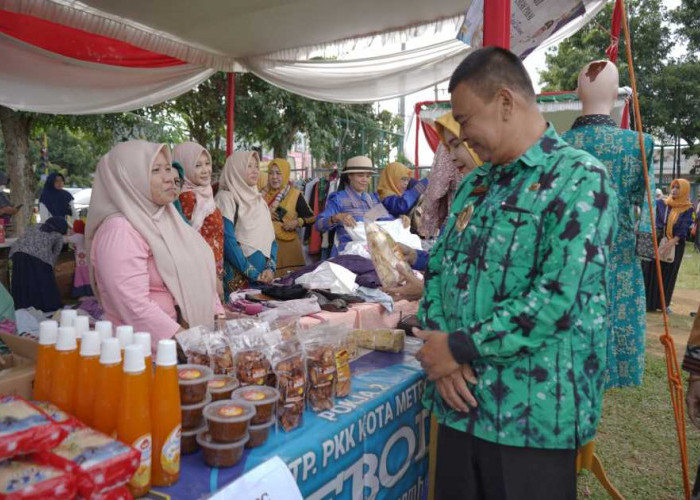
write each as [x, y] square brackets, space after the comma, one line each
[290, 369]
[344, 350]
[193, 343]
[24, 428]
[220, 353]
[25, 480]
[252, 364]
[99, 462]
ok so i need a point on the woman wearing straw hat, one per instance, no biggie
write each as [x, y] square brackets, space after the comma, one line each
[348, 206]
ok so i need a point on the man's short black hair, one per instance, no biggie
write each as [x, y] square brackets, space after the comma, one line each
[491, 69]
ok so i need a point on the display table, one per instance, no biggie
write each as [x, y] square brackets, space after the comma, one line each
[375, 441]
[367, 315]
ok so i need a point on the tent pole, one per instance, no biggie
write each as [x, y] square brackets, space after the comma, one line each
[230, 111]
[497, 23]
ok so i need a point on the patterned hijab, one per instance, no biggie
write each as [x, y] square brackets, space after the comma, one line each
[678, 205]
[183, 259]
[244, 205]
[187, 154]
[273, 197]
[390, 178]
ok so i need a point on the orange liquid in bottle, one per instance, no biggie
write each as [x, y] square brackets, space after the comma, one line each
[88, 374]
[134, 418]
[166, 419]
[42, 378]
[64, 375]
[149, 373]
[107, 397]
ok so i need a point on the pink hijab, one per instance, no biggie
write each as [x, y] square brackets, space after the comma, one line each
[187, 154]
[183, 259]
[437, 199]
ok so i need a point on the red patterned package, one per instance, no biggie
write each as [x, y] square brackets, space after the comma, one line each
[26, 480]
[57, 415]
[24, 428]
[99, 462]
[118, 493]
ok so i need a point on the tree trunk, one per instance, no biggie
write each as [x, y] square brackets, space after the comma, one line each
[16, 127]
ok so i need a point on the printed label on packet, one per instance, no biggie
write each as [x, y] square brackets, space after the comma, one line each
[254, 395]
[217, 384]
[230, 411]
[142, 476]
[342, 361]
[189, 374]
[170, 454]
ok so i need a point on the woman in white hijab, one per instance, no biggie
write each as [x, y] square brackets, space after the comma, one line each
[250, 249]
[197, 199]
[145, 261]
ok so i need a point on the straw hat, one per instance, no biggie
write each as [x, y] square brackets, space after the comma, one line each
[358, 165]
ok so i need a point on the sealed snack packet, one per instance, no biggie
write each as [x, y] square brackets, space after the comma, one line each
[220, 353]
[24, 428]
[343, 384]
[194, 345]
[99, 462]
[385, 339]
[288, 365]
[27, 480]
[57, 415]
[252, 364]
[385, 253]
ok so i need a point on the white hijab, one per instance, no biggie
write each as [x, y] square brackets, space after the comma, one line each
[183, 259]
[244, 206]
[187, 154]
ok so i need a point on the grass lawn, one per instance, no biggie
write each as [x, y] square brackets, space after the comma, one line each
[637, 437]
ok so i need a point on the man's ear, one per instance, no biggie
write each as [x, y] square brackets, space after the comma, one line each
[506, 103]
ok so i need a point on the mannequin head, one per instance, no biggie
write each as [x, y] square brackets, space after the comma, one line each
[598, 84]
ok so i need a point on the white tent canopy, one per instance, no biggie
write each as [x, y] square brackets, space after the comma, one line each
[272, 38]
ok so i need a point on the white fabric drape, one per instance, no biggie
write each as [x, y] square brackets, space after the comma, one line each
[32, 79]
[364, 80]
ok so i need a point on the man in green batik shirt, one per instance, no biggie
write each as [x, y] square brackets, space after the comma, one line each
[515, 305]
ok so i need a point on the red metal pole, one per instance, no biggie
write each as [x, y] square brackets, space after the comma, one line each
[497, 23]
[230, 112]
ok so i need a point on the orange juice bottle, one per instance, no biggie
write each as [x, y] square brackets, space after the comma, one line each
[134, 421]
[109, 387]
[125, 334]
[48, 332]
[64, 370]
[82, 326]
[88, 370]
[104, 328]
[68, 317]
[165, 416]
[144, 340]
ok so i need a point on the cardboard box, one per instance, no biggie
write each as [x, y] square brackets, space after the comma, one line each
[17, 369]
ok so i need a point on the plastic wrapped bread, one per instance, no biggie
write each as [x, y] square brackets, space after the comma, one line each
[387, 340]
[385, 254]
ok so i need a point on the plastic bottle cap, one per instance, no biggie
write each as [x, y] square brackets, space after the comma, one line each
[68, 316]
[81, 325]
[48, 332]
[125, 334]
[110, 352]
[104, 328]
[167, 353]
[90, 345]
[133, 359]
[144, 340]
[66, 339]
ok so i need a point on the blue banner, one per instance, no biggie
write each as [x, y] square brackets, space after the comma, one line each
[372, 444]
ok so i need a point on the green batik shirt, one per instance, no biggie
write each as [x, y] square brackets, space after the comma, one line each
[521, 291]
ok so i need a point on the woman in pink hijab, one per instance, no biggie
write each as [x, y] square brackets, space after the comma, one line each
[146, 263]
[197, 200]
